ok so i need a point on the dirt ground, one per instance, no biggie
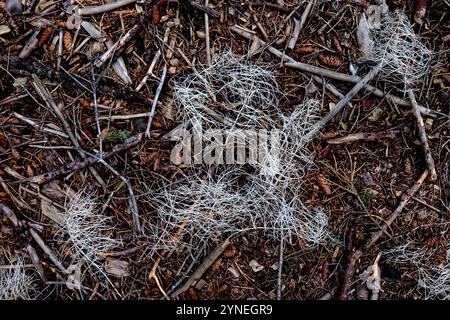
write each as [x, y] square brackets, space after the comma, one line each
[49, 63]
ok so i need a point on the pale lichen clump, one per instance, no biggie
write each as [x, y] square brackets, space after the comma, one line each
[404, 57]
[85, 231]
[15, 283]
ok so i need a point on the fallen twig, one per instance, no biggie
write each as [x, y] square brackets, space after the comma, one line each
[423, 135]
[45, 95]
[367, 136]
[207, 38]
[41, 243]
[121, 43]
[155, 102]
[299, 23]
[280, 269]
[90, 10]
[81, 164]
[202, 268]
[213, 13]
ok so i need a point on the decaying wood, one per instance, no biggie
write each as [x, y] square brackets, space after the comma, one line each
[299, 23]
[41, 243]
[118, 46]
[36, 261]
[344, 101]
[409, 194]
[209, 11]
[207, 38]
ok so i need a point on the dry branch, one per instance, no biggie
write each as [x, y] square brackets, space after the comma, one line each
[423, 135]
[45, 95]
[366, 136]
[118, 46]
[202, 268]
[81, 164]
[91, 10]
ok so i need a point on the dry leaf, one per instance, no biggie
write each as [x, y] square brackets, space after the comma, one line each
[363, 35]
[118, 268]
[256, 267]
[52, 212]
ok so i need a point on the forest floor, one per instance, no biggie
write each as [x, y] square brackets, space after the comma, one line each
[73, 118]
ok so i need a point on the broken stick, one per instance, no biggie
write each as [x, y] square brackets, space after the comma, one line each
[423, 135]
[193, 279]
[81, 164]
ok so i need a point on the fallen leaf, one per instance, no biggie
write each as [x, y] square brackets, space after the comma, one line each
[256, 267]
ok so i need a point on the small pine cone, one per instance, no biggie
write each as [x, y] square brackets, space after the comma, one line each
[432, 241]
[307, 49]
[3, 141]
[46, 34]
[67, 41]
[323, 182]
[337, 45]
[330, 60]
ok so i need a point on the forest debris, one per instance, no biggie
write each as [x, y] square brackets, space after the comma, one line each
[91, 10]
[45, 35]
[67, 41]
[305, 49]
[375, 115]
[367, 179]
[256, 267]
[37, 238]
[202, 268]
[291, 63]
[118, 268]
[119, 65]
[299, 23]
[356, 254]
[14, 7]
[330, 60]
[423, 136]
[81, 164]
[363, 34]
[366, 136]
[324, 184]
[30, 46]
[4, 29]
[51, 211]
